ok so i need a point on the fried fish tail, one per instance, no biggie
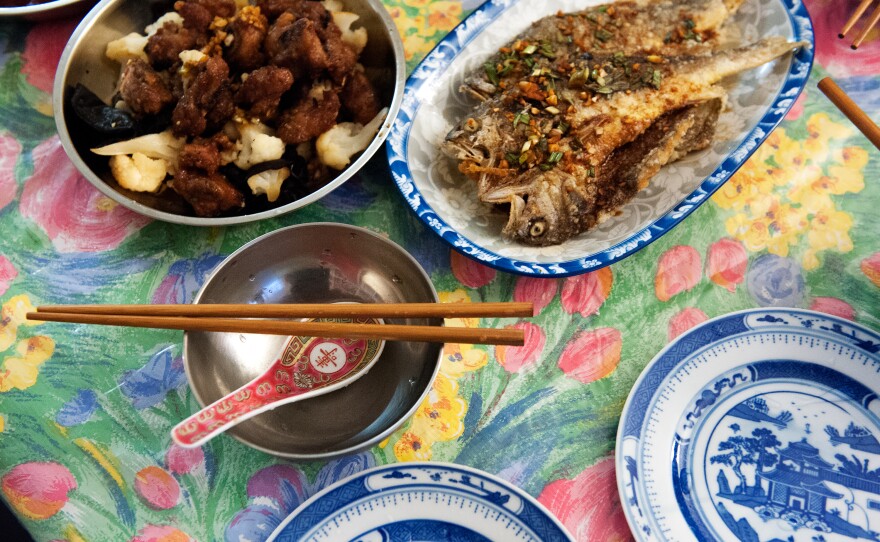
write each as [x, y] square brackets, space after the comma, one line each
[713, 68]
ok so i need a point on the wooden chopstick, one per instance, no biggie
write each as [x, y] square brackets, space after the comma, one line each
[849, 108]
[306, 310]
[872, 20]
[854, 17]
[330, 330]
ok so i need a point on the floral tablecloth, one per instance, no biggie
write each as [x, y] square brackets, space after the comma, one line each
[85, 412]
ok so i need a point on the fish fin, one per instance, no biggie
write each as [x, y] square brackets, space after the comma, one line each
[715, 67]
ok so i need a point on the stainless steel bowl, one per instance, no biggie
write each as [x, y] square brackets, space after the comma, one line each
[316, 263]
[54, 9]
[83, 61]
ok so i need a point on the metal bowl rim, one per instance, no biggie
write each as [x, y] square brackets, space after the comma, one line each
[351, 449]
[73, 154]
[43, 9]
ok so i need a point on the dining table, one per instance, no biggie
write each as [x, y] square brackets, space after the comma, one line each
[86, 411]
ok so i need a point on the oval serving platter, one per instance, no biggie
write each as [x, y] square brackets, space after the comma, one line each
[761, 425]
[447, 202]
[421, 501]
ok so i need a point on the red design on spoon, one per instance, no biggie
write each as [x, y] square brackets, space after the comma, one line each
[305, 368]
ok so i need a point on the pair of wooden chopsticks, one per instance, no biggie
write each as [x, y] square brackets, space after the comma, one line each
[258, 319]
[849, 108]
[872, 20]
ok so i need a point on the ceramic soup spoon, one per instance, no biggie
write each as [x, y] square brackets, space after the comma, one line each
[306, 367]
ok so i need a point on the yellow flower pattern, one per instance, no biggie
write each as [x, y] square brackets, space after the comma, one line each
[440, 417]
[783, 194]
[423, 23]
[20, 370]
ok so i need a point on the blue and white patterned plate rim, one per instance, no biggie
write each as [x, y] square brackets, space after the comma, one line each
[707, 334]
[535, 516]
[457, 40]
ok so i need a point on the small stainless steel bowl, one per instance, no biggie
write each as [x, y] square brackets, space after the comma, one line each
[316, 263]
[84, 61]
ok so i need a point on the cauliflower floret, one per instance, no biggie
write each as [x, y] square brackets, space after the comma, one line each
[127, 47]
[337, 145]
[132, 46]
[170, 17]
[258, 144]
[268, 182]
[356, 37]
[138, 172]
[162, 145]
[333, 5]
[189, 59]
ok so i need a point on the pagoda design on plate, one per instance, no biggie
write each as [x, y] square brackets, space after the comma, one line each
[820, 487]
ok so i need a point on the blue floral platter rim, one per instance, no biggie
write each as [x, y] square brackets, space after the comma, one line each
[747, 387]
[456, 42]
[390, 489]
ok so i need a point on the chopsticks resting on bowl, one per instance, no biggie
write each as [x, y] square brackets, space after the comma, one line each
[252, 319]
[872, 20]
[849, 108]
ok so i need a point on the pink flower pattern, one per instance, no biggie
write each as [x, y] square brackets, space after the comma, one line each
[835, 54]
[727, 263]
[678, 270]
[8, 272]
[10, 151]
[181, 460]
[589, 505]
[75, 216]
[685, 320]
[469, 272]
[42, 51]
[161, 533]
[515, 358]
[38, 490]
[157, 487]
[870, 266]
[592, 355]
[585, 293]
[833, 306]
[539, 291]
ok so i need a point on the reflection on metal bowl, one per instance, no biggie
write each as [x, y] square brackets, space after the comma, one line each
[317, 263]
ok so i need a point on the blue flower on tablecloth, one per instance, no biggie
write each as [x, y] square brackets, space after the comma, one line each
[277, 490]
[863, 89]
[775, 281]
[285, 485]
[184, 279]
[353, 195]
[148, 385]
[253, 524]
[78, 410]
[342, 468]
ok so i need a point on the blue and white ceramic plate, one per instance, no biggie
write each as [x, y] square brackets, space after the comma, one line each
[448, 204]
[760, 425]
[421, 501]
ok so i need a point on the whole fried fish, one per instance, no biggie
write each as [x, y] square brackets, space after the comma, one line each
[553, 132]
[557, 208]
[670, 27]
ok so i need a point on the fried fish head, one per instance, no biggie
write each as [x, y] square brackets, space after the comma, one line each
[545, 209]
